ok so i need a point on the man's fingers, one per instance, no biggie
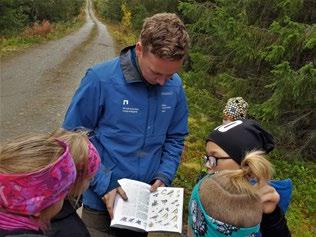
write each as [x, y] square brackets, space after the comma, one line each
[110, 204]
[158, 183]
[154, 187]
[122, 193]
[109, 199]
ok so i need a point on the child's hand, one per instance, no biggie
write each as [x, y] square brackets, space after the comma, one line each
[269, 198]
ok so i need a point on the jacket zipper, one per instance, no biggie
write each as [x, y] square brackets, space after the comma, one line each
[146, 124]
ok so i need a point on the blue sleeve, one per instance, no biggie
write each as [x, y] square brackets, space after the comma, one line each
[174, 142]
[84, 111]
[103, 182]
[86, 105]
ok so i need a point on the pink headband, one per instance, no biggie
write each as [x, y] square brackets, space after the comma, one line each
[93, 160]
[30, 193]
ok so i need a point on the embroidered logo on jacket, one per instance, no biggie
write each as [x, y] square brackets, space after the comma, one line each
[164, 107]
[167, 93]
[126, 109]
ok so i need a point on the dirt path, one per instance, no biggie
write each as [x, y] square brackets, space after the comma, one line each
[37, 85]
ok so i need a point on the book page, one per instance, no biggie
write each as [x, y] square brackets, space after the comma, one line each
[132, 214]
[165, 210]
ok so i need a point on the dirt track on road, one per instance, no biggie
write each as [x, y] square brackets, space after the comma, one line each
[37, 85]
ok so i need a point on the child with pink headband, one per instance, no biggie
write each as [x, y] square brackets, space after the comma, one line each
[67, 222]
[36, 173]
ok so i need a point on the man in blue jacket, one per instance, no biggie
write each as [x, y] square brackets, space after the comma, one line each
[136, 106]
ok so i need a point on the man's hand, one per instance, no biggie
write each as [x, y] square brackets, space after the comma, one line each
[109, 199]
[158, 183]
[269, 198]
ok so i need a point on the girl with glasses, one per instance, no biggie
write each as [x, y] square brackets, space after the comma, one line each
[234, 198]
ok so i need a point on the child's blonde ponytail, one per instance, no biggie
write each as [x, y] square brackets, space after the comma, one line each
[236, 192]
[255, 166]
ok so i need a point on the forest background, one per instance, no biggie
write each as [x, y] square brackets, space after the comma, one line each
[262, 50]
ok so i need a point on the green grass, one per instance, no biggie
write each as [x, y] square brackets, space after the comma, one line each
[12, 44]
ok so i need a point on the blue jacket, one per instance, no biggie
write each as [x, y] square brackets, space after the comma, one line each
[139, 128]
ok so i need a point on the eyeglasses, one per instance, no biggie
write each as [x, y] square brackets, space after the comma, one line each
[212, 160]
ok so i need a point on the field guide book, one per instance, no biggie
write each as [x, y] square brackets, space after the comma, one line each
[146, 211]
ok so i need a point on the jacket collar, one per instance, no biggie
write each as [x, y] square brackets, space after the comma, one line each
[130, 66]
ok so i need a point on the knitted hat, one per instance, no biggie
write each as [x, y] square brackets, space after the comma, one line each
[241, 136]
[236, 108]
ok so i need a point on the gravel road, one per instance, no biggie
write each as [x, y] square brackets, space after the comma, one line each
[37, 85]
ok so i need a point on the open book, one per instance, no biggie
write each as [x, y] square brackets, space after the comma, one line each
[146, 211]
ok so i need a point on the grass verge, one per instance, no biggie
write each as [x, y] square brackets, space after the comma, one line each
[30, 36]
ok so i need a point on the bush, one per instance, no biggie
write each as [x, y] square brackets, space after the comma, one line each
[17, 14]
[41, 29]
[12, 17]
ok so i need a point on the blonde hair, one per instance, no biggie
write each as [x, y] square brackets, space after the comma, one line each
[77, 142]
[165, 36]
[28, 153]
[254, 165]
[228, 196]
[33, 152]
